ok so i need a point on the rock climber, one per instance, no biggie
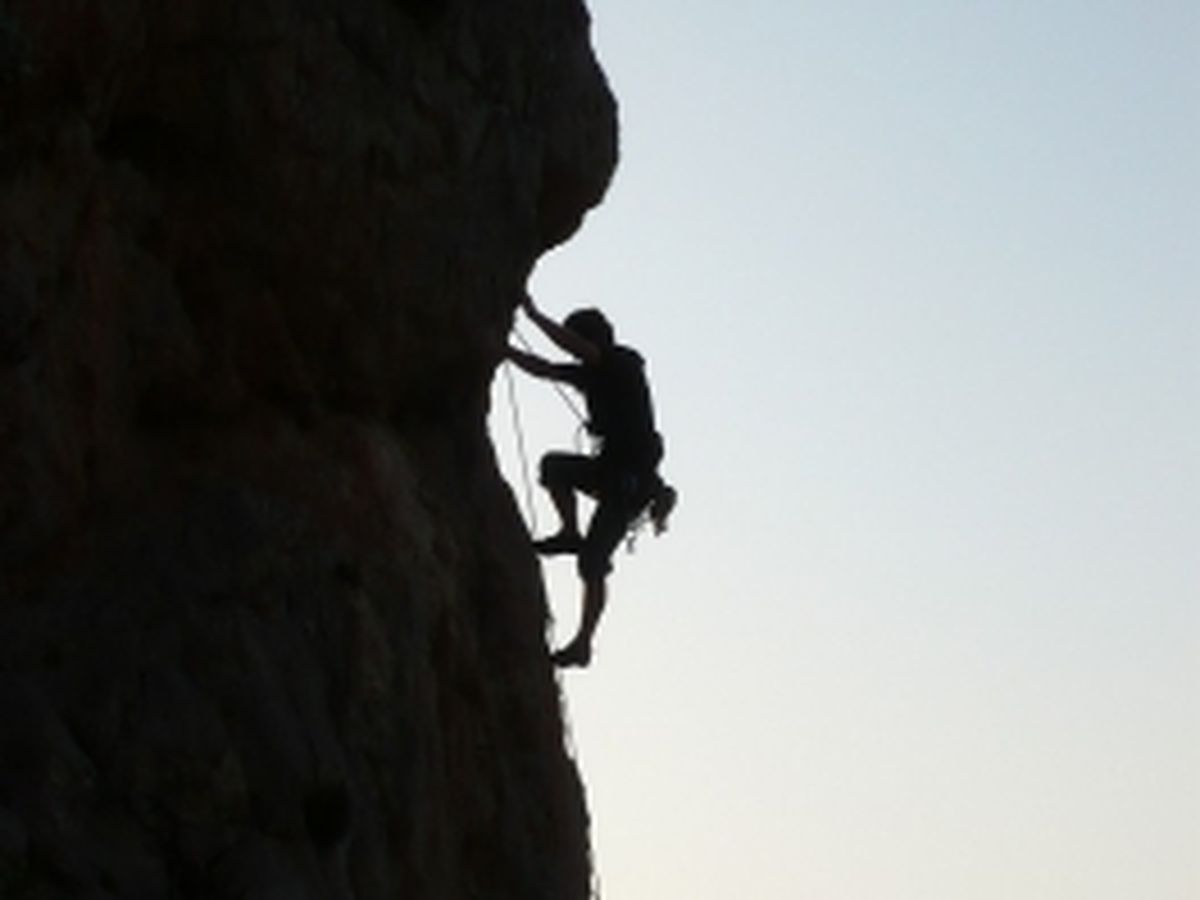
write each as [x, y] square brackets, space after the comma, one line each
[622, 477]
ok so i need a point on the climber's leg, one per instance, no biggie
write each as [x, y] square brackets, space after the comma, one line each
[609, 524]
[562, 474]
[579, 651]
[567, 539]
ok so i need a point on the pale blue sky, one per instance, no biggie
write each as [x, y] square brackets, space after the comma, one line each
[918, 284]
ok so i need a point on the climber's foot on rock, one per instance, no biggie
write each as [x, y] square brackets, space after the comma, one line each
[574, 654]
[563, 542]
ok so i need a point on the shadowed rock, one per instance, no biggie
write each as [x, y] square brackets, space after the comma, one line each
[270, 625]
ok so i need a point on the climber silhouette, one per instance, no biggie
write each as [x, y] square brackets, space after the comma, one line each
[622, 477]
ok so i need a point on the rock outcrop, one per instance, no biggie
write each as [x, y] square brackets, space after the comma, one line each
[270, 623]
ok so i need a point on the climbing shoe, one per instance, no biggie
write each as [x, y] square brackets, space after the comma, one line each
[573, 654]
[558, 544]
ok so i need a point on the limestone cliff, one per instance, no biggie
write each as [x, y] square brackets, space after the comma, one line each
[270, 624]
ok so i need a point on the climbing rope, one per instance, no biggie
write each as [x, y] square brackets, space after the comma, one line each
[530, 509]
[580, 430]
[566, 398]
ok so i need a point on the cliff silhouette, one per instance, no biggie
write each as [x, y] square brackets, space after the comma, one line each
[270, 622]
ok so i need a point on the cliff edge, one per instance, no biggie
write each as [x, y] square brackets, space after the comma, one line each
[270, 623]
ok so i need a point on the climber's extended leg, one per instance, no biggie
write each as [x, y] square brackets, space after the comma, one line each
[579, 651]
[609, 524]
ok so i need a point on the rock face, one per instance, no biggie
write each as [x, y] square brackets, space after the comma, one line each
[270, 623]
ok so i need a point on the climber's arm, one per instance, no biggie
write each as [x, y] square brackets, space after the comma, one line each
[579, 347]
[542, 368]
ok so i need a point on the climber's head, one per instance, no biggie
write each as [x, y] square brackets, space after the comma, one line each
[591, 324]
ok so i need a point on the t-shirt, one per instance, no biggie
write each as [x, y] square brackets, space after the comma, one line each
[620, 411]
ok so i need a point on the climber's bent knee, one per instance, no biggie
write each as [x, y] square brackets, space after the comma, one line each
[568, 470]
[553, 468]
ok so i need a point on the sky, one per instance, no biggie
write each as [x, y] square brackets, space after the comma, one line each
[918, 288]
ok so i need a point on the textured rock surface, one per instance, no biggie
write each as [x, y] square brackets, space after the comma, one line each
[270, 625]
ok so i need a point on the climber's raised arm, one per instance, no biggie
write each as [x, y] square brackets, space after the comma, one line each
[568, 340]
